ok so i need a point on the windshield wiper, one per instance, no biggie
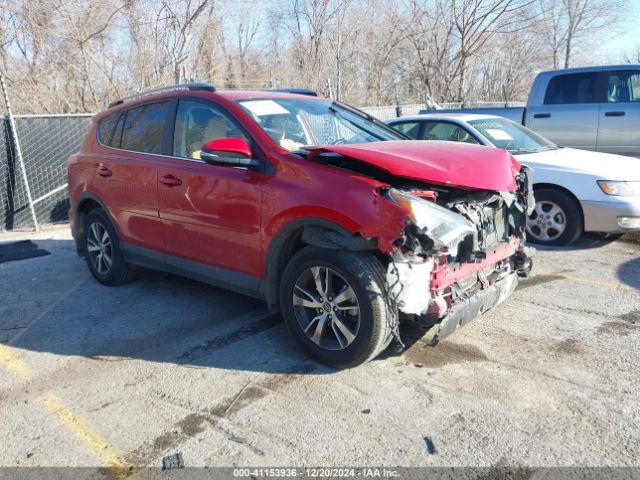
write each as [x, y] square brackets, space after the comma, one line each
[522, 150]
[532, 150]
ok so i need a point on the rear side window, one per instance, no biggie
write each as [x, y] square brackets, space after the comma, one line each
[410, 129]
[623, 86]
[572, 88]
[143, 128]
[106, 127]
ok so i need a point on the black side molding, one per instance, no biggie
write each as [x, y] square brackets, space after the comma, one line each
[212, 275]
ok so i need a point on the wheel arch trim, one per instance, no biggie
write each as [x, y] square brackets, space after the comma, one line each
[78, 223]
[318, 232]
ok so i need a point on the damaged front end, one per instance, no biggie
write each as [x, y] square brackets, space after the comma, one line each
[454, 233]
[460, 253]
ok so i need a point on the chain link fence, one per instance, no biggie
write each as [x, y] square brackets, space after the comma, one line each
[394, 111]
[46, 142]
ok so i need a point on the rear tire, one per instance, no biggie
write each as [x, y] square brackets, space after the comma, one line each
[344, 321]
[556, 220]
[103, 255]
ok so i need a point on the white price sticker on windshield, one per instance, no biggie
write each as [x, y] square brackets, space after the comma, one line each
[498, 134]
[264, 107]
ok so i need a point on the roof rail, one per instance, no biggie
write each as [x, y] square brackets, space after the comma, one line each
[299, 91]
[166, 88]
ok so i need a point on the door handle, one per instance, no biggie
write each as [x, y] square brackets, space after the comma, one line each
[541, 115]
[170, 181]
[104, 171]
[614, 114]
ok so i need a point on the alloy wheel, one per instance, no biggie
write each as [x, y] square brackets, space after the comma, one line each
[326, 308]
[99, 248]
[547, 222]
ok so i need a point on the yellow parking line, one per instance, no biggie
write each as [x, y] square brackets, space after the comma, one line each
[92, 440]
[599, 282]
[97, 445]
[13, 363]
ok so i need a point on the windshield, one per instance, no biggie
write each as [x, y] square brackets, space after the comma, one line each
[509, 135]
[295, 122]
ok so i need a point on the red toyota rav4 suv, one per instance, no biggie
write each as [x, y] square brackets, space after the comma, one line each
[336, 220]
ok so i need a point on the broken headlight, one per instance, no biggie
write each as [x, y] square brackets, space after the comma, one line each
[444, 227]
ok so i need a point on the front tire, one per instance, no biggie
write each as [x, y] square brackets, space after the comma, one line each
[335, 304]
[556, 219]
[103, 255]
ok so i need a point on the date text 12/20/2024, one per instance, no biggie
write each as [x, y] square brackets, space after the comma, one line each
[315, 473]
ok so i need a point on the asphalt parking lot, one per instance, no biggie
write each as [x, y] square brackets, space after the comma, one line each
[97, 376]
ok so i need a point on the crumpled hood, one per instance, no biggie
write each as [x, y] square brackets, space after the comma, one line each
[445, 163]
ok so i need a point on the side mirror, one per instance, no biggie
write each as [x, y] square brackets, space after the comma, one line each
[234, 152]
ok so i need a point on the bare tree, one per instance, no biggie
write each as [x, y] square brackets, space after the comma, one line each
[567, 22]
[308, 25]
[64, 57]
[505, 73]
[379, 52]
[476, 21]
[431, 39]
[551, 30]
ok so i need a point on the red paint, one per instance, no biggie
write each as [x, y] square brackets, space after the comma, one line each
[130, 193]
[445, 163]
[229, 145]
[228, 217]
[213, 217]
[439, 306]
[446, 274]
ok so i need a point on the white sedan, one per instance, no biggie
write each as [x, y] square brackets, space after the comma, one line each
[576, 190]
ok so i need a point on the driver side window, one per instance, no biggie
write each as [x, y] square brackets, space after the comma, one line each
[197, 123]
[447, 132]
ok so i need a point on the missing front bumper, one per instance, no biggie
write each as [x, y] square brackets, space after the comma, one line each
[482, 301]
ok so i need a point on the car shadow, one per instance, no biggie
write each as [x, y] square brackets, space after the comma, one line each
[586, 242]
[629, 273]
[157, 318]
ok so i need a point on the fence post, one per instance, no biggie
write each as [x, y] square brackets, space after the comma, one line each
[14, 137]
